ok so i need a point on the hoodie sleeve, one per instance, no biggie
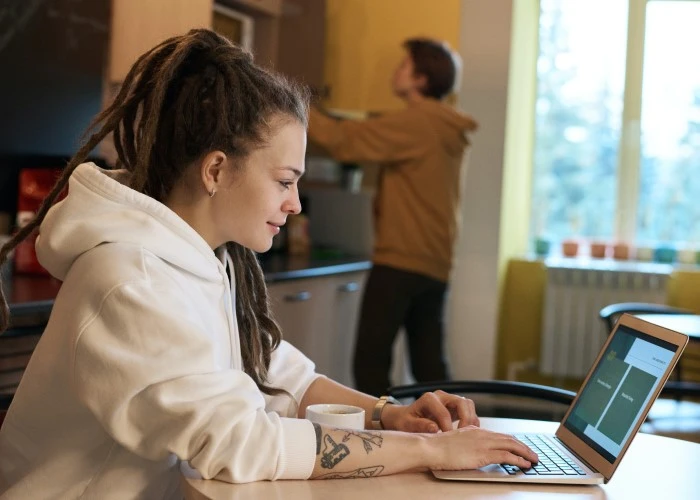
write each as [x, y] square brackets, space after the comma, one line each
[148, 372]
[292, 371]
[388, 138]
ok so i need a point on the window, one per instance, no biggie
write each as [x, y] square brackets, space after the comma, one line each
[617, 127]
[669, 188]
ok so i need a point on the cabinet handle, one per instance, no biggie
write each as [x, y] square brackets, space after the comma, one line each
[297, 297]
[349, 287]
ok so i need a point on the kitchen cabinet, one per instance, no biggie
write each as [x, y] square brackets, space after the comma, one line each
[288, 35]
[266, 26]
[137, 26]
[255, 7]
[302, 40]
[348, 297]
[319, 316]
[363, 46]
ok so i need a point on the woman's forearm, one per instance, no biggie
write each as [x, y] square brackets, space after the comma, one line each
[365, 453]
[343, 453]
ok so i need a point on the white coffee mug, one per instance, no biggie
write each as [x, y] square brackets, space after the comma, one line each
[336, 415]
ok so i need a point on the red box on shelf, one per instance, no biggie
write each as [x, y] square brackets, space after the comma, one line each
[34, 185]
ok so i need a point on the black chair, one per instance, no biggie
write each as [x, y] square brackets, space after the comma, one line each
[499, 398]
[611, 313]
[510, 399]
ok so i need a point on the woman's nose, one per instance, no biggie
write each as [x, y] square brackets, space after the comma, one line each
[293, 205]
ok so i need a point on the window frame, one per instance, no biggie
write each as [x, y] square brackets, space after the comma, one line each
[628, 173]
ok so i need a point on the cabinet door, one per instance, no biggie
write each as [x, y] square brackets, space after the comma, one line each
[363, 46]
[304, 310]
[138, 26]
[302, 39]
[347, 292]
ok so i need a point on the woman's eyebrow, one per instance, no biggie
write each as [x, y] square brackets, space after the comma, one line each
[295, 171]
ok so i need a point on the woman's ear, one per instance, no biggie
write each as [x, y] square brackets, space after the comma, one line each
[212, 171]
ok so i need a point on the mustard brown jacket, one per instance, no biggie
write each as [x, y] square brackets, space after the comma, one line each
[420, 150]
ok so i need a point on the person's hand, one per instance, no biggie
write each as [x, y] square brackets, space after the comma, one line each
[471, 448]
[432, 412]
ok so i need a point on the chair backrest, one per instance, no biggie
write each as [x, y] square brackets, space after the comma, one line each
[610, 313]
[547, 403]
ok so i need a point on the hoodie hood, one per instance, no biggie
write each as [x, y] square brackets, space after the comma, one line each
[452, 125]
[101, 208]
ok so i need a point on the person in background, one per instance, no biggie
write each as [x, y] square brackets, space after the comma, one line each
[420, 151]
[161, 349]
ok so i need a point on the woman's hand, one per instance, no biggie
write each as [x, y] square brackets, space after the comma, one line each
[471, 448]
[432, 412]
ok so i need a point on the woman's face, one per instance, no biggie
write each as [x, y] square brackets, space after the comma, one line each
[263, 191]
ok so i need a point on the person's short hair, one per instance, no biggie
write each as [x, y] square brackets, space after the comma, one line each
[437, 62]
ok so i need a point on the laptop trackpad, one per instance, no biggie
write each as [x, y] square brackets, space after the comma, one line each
[492, 471]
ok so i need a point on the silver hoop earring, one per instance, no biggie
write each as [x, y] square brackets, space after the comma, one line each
[212, 193]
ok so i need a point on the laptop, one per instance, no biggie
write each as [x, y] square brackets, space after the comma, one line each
[599, 425]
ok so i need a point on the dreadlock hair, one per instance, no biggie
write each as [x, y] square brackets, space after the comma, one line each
[188, 96]
[437, 62]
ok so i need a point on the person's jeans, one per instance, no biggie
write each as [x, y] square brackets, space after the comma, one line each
[395, 298]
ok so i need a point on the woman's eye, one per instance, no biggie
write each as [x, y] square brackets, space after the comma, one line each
[286, 184]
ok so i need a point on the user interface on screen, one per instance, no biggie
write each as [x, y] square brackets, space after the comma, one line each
[613, 399]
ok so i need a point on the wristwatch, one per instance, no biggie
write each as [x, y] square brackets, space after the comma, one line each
[379, 407]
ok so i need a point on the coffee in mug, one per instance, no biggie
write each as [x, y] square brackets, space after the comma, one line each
[337, 415]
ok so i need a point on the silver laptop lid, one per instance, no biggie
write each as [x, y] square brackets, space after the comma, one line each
[619, 390]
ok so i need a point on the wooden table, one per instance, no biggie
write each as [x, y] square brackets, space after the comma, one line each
[684, 323]
[679, 480]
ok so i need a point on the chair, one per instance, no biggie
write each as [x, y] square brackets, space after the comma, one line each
[611, 313]
[499, 398]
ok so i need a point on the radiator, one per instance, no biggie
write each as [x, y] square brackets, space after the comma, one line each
[572, 332]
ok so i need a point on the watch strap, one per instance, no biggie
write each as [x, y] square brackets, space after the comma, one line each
[379, 408]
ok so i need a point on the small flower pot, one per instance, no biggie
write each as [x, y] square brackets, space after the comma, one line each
[621, 251]
[598, 250]
[569, 248]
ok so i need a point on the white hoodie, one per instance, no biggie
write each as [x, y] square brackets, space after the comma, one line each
[140, 365]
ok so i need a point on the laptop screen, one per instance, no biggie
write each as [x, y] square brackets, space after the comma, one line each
[612, 401]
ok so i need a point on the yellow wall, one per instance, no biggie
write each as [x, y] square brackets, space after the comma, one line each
[363, 45]
[520, 131]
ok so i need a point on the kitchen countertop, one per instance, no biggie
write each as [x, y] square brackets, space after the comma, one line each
[279, 267]
[32, 296]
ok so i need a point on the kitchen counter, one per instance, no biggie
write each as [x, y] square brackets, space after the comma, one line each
[278, 267]
[33, 296]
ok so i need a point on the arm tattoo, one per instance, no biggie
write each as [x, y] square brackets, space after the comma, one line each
[368, 439]
[317, 429]
[375, 470]
[333, 453]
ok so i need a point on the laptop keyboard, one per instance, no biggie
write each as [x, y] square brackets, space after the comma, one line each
[553, 462]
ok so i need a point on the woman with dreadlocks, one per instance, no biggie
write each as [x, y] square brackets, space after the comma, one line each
[161, 348]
